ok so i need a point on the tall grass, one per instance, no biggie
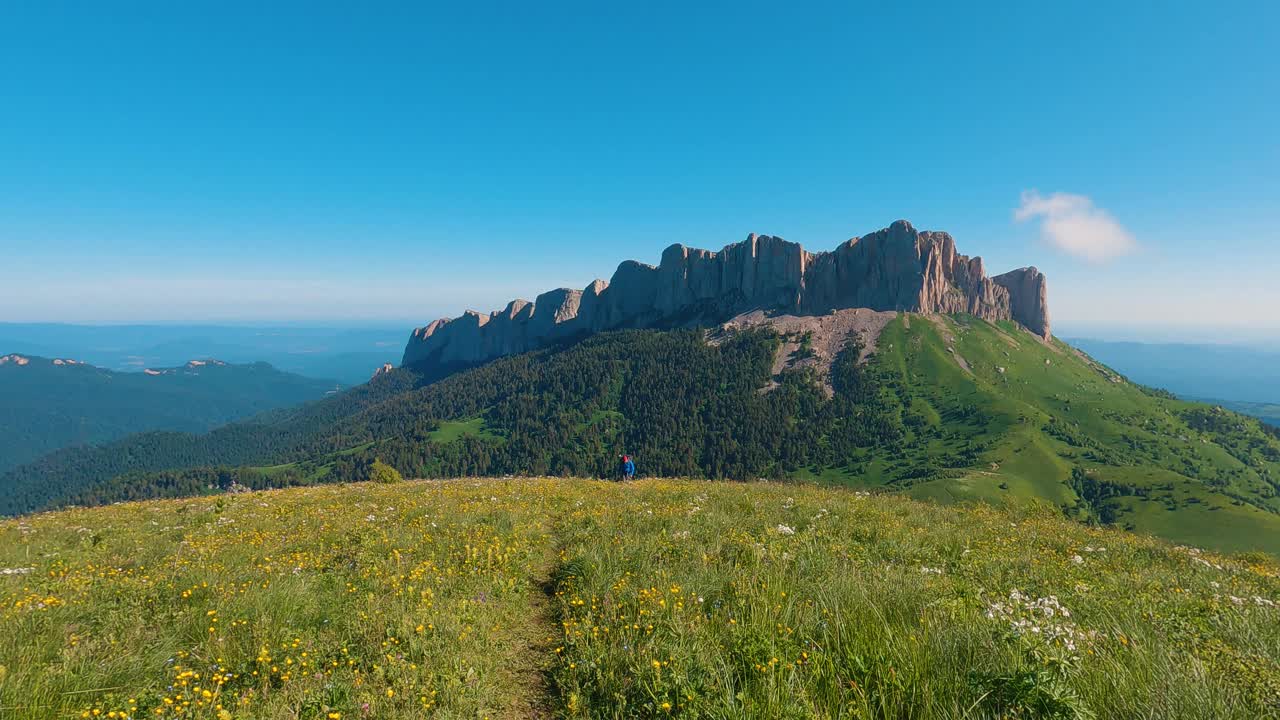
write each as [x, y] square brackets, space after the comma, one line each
[775, 601]
[582, 599]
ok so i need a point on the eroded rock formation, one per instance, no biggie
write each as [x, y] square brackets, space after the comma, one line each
[897, 268]
[1028, 298]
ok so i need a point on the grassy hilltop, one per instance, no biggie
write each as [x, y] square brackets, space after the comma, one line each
[582, 599]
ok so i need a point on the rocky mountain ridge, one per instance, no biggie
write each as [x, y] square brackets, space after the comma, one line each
[897, 268]
[19, 360]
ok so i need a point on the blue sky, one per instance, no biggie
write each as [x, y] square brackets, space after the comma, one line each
[191, 162]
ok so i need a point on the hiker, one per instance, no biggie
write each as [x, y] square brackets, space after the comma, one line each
[627, 468]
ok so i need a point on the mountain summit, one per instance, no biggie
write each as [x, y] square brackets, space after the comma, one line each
[897, 268]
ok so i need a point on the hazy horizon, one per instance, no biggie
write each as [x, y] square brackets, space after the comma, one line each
[1264, 338]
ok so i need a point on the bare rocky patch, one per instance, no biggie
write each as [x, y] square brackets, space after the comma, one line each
[813, 341]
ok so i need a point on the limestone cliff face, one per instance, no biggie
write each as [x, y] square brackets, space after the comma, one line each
[1028, 298]
[897, 268]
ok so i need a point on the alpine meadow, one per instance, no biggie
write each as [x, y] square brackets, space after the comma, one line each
[582, 599]
[639, 361]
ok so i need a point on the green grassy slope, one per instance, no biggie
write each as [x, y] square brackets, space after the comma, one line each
[1204, 475]
[585, 599]
[451, 430]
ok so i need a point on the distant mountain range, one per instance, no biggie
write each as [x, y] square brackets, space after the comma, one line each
[51, 403]
[348, 355]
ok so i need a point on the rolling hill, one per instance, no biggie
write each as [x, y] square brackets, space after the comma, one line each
[570, 598]
[47, 404]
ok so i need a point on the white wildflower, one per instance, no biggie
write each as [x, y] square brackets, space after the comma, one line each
[1044, 619]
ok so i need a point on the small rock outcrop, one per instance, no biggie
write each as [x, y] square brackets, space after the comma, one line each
[897, 268]
[192, 367]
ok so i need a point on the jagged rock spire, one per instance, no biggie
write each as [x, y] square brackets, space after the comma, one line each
[897, 268]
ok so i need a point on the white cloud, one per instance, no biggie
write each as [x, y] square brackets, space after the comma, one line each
[1072, 224]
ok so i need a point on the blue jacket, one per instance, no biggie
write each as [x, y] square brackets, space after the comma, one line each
[629, 467]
